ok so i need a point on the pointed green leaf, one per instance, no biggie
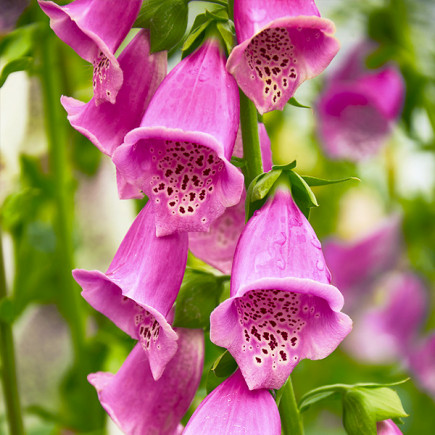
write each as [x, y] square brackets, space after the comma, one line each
[287, 166]
[305, 404]
[226, 30]
[222, 368]
[264, 184]
[20, 64]
[357, 418]
[294, 102]
[238, 162]
[191, 42]
[167, 21]
[314, 181]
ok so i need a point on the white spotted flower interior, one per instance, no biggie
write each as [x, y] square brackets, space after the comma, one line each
[281, 45]
[140, 287]
[179, 156]
[95, 29]
[282, 306]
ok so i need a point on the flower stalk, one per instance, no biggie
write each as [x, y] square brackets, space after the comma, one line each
[291, 422]
[8, 368]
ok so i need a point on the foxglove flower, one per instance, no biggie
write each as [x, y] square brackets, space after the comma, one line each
[386, 334]
[232, 408]
[140, 405]
[216, 247]
[281, 45]
[140, 287]
[282, 306]
[422, 363]
[180, 154]
[356, 264]
[358, 108]
[387, 427]
[95, 29]
[106, 125]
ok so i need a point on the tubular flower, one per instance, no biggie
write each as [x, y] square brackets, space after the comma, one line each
[106, 125]
[281, 45]
[180, 154]
[356, 264]
[140, 405]
[140, 287]
[216, 247]
[386, 333]
[387, 427]
[95, 29]
[282, 306]
[356, 111]
[232, 408]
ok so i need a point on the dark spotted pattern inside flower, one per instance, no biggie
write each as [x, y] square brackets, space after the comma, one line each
[270, 56]
[272, 321]
[101, 66]
[185, 177]
[147, 327]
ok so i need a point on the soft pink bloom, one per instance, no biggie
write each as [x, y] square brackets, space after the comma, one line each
[422, 363]
[232, 408]
[358, 107]
[386, 333]
[356, 264]
[216, 247]
[106, 125]
[140, 405]
[282, 43]
[180, 155]
[95, 30]
[282, 306]
[387, 427]
[140, 287]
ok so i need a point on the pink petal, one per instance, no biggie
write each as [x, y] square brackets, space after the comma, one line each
[137, 403]
[232, 408]
[387, 427]
[282, 308]
[180, 155]
[95, 29]
[280, 56]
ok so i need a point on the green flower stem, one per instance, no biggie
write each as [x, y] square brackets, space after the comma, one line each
[62, 180]
[291, 422]
[8, 370]
[251, 141]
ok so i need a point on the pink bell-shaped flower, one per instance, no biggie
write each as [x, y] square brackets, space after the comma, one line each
[282, 43]
[140, 287]
[358, 107]
[106, 125]
[94, 29]
[232, 408]
[282, 306]
[180, 155]
[140, 405]
[217, 246]
[387, 427]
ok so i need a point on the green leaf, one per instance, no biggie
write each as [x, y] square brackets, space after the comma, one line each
[302, 194]
[20, 64]
[238, 162]
[314, 181]
[357, 419]
[264, 184]
[287, 166]
[198, 297]
[294, 102]
[227, 31]
[167, 21]
[312, 399]
[223, 367]
[196, 36]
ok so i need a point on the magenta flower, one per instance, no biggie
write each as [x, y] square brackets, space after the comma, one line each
[281, 45]
[422, 363]
[95, 29]
[355, 265]
[217, 246]
[282, 306]
[180, 154]
[386, 333]
[140, 405]
[358, 108]
[387, 427]
[106, 125]
[140, 287]
[232, 408]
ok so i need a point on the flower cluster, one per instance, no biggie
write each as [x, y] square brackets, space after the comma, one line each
[172, 139]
